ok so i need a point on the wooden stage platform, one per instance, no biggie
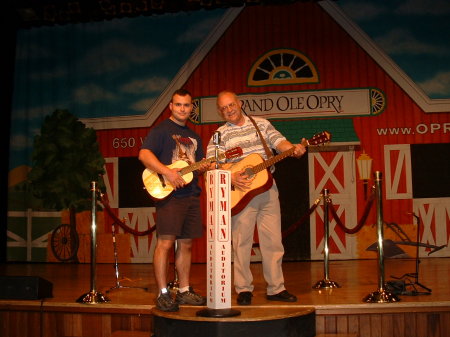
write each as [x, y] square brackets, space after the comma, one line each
[130, 311]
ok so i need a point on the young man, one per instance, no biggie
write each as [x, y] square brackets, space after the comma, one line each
[262, 210]
[178, 216]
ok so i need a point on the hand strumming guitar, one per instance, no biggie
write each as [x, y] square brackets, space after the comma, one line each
[240, 180]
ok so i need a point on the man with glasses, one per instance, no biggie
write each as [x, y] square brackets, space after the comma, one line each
[263, 210]
[178, 216]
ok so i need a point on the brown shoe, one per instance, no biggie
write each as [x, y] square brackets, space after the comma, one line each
[190, 297]
[165, 302]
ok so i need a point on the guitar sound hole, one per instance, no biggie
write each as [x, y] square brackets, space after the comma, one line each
[161, 179]
[249, 172]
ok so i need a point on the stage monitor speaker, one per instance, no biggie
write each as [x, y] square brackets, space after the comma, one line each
[25, 287]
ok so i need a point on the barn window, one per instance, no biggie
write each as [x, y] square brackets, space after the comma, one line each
[282, 66]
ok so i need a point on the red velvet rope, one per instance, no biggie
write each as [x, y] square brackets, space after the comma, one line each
[119, 222]
[361, 222]
[297, 224]
[294, 226]
[331, 209]
[285, 233]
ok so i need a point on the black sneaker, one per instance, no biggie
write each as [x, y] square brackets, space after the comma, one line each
[165, 302]
[282, 296]
[190, 297]
[244, 298]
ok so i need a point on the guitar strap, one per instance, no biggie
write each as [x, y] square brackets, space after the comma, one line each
[263, 141]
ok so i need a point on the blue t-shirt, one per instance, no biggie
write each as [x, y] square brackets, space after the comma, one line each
[170, 142]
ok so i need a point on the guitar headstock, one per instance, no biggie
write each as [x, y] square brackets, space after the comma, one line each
[320, 138]
[233, 153]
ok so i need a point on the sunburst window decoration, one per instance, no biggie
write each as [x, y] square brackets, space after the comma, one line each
[377, 101]
[281, 67]
[194, 117]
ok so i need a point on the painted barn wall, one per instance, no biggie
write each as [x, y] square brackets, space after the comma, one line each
[341, 63]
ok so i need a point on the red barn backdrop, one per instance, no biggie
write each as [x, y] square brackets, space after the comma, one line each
[332, 77]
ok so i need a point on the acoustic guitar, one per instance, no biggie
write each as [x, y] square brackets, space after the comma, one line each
[255, 167]
[157, 186]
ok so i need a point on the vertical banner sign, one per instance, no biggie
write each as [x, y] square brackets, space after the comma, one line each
[218, 239]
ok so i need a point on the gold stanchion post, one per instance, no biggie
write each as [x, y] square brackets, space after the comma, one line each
[380, 295]
[326, 282]
[93, 297]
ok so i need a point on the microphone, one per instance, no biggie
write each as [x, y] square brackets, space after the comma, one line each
[216, 141]
[216, 138]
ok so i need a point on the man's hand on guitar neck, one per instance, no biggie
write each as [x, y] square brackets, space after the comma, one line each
[206, 166]
[299, 149]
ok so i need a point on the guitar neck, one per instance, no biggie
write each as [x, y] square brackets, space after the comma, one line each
[275, 159]
[195, 166]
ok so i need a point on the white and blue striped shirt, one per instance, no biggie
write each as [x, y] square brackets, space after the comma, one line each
[246, 137]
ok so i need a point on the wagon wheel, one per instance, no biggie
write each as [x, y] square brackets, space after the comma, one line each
[65, 243]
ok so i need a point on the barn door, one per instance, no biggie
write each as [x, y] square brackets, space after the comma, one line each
[334, 171]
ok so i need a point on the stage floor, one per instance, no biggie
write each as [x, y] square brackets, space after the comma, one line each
[356, 278]
[130, 311]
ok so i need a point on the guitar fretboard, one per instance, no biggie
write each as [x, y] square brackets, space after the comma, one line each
[281, 156]
[272, 160]
[195, 166]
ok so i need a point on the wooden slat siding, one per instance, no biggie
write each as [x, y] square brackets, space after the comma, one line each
[60, 324]
[330, 324]
[445, 330]
[27, 324]
[393, 325]
[421, 319]
[337, 335]
[320, 323]
[123, 333]
[19, 323]
[376, 324]
[342, 324]
[353, 324]
[435, 325]
[387, 323]
[23, 324]
[364, 325]
[411, 325]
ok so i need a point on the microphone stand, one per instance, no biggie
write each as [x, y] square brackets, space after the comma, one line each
[217, 307]
[216, 141]
[116, 264]
[174, 285]
[416, 274]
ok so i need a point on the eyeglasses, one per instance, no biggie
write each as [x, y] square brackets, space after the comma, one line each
[228, 106]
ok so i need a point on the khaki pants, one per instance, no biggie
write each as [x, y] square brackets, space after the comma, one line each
[264, 212]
